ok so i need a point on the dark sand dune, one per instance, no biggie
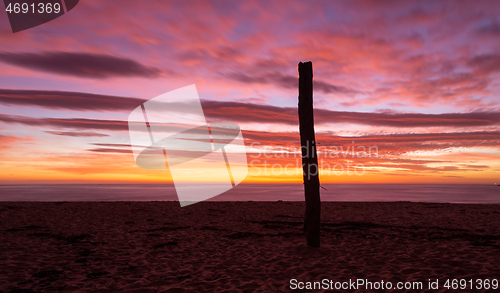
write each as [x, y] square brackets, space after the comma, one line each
[240, 246]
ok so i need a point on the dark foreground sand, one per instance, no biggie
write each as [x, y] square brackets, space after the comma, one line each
[241, 246]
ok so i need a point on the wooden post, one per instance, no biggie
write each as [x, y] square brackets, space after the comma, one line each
[309, 155]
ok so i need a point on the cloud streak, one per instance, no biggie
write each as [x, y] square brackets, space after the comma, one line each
[244, 112]
[236, 112]
[288, 82]
[87, 65]
[112, 125]
[59, 100]
[77, 134]
[327, 138]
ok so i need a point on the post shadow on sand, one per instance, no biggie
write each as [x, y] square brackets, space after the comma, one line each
[309, 155]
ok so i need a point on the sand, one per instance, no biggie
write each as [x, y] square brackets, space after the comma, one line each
[241, 246]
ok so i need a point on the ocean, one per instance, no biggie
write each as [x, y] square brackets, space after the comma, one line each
[438, 193]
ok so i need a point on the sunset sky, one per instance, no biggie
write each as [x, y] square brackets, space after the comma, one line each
[420, 81]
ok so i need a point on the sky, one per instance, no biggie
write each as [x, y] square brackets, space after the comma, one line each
[412, 87]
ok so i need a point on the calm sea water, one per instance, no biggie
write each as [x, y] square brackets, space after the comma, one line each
[257, 192]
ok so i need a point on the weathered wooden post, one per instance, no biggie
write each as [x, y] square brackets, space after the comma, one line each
[309, 155]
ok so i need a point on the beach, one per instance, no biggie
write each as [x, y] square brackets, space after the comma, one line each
[243, 246]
